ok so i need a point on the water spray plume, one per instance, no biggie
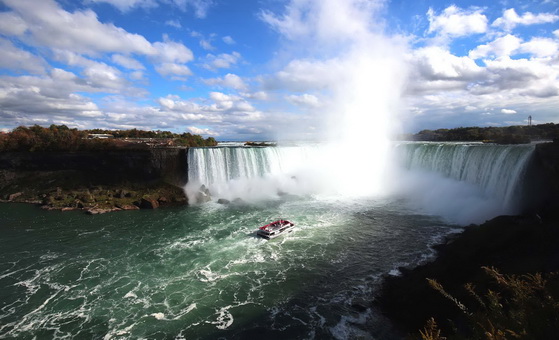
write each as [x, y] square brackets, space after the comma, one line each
[358, 73]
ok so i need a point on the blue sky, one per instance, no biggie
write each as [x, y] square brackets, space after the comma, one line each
[267, 69]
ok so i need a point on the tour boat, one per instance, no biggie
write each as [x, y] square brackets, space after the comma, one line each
[275, 229]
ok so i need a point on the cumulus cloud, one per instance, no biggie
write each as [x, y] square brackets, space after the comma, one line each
[175, 71]
[172, 52]
[16, 59]
[323, 21]
[229, 80]
[127, 62]
[302, 75]
[436, 63]
[541, 47]
[200, 7]
[173, 23]
[500, 47]
[304, 100]
[126, 5]
[511, 19]
[12, 24]
[199, 131]
[457, 22]
[47, 24]
[48, 99]
[97, 74]
[223, 60]
[508, 111]
[228, 40]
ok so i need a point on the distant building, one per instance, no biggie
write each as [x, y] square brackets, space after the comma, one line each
[99, 136]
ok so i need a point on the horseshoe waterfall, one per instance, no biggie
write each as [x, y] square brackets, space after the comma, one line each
[200, 272]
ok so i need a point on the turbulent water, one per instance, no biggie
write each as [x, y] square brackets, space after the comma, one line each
[199, 272]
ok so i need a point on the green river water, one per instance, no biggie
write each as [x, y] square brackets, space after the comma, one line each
[199, 272]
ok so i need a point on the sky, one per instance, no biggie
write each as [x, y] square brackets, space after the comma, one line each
[269, 69]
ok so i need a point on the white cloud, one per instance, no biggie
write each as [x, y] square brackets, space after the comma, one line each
[229, 80]
[323, 21]
[524, 77]
[556, 33]
[12, 24]
[259, 95]
[80, 31]
[206, 44]
[228, 40]
[224, 60]
[204, 132]
[172, 52]
[508, 111]
[200, 7]
[302, 75]
[97, 74]
[175, 71]
[173, 23]
[305, 100]
[457, 22]
[541, 47]
[500, 47]
[127, 62]
[435, 63]
[14, 58]
[511, 19]
[126, 5]
[28, 100]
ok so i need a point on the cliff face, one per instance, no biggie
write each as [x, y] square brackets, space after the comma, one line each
[519, 245]
[95, 181]
[110, 167]
[547, 161]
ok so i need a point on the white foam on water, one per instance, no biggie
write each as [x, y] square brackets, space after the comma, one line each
[158, 316]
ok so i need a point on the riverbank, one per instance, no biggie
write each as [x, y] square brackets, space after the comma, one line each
[95, 182]
[497, 279]
[513, 245]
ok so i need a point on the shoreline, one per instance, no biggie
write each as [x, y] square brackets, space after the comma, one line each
[521, 246]
[100, 199]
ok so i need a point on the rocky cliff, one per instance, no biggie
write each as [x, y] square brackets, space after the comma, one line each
[455, 289]
[88, 180]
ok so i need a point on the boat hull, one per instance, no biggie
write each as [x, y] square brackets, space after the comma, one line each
[275, 229]
[273, 234]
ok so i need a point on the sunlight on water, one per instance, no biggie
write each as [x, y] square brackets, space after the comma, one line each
[200, 272]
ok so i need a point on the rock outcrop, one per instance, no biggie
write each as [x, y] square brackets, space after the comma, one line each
[96, 182]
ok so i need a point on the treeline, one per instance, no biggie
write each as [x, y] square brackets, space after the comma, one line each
[184, 139]
[63, 138]
[502, 135]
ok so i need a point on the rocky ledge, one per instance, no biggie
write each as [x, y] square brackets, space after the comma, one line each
[442, 289]
[95, 182]
[98, 199]
[498, 280]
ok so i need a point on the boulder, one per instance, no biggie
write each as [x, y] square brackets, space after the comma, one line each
[122, 194]
[127, 207]
[223, 201]
[203, 195]
[148, 203]
[14, 196]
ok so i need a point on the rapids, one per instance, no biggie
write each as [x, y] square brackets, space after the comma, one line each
[199, 272]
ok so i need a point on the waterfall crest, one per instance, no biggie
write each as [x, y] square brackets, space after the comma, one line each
[471, 179]
[249, 172]
[495, 172]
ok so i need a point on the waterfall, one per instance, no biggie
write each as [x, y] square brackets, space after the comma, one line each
[248, 172]
[466, 181]
[496, 171]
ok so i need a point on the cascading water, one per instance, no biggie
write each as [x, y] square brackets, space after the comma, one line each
[250, 172]
[465, 182]
[476, 180]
